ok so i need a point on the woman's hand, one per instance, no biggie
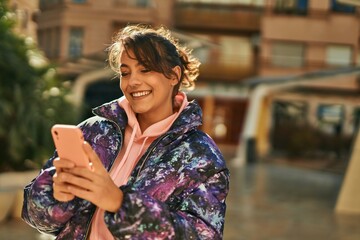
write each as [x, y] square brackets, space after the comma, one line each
[61, 191]
[93, 184]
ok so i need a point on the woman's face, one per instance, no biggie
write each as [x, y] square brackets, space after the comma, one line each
[149, 93]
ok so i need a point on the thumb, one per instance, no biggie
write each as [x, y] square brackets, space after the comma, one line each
[95, 161]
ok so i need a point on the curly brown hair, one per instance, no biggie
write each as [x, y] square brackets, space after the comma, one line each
[157, 50]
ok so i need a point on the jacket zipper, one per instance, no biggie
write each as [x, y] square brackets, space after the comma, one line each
[148, 154]
[118, 151]
[137, 175]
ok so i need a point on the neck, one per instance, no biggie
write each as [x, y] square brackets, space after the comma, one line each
[146, 121]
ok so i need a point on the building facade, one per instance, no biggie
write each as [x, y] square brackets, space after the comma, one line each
[305, 35]
[235, 40]
[298, 37]
[69, 29]
[76, 33]
[25, 12]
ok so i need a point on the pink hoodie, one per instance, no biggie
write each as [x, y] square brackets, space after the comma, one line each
[134, 146]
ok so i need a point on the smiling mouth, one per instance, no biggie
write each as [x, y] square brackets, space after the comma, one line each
[140, 94]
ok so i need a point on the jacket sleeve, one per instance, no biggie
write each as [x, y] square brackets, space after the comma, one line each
[40, 209]
[199, 215]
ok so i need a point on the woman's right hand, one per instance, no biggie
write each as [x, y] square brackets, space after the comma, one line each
[60, 187]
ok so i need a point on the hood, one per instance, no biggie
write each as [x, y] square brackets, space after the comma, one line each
[189, 118]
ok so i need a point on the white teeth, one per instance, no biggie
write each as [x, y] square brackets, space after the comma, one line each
[140, 94]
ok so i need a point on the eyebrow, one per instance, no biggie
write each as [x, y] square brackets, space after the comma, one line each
[125, 65]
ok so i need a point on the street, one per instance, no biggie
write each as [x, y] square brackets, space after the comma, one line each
[267, 201]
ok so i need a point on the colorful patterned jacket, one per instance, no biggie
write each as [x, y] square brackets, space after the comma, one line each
[176, 191]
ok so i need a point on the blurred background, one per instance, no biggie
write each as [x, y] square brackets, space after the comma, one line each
[279, 87]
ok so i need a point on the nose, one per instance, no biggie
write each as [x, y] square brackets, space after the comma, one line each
[134, 80]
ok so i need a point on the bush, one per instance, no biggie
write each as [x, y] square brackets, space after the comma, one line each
[304, 140]
[32, 99]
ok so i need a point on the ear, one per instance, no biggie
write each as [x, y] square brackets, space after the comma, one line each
[175, 80]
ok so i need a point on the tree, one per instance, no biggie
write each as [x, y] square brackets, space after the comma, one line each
[32, 99]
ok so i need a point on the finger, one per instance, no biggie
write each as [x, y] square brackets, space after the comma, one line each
[78, 173]
[63, 197]
[61, 177]
[82, 193]
[93, 157]
[56, 177]
[61, 193]
[111, 202]
[79, 177]
[64, 180]
[90, 195]
[63, 163]
[59, 184]
[61, 188]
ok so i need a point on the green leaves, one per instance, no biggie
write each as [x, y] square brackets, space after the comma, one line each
[32, 99]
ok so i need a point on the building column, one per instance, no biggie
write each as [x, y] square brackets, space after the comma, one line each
[349, 197]
[263, 129]
[164, 13]
[348, 123]
[312, 112]
[64, 43]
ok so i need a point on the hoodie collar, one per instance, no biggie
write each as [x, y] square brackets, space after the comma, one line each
[189, 118]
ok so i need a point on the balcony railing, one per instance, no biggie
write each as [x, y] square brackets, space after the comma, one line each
[49, 4]
[46, 4]
[133, 3]
[296, 7]
[228, 17]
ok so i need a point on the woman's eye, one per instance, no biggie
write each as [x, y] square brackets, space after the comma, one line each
[124, 74]
[145, 70]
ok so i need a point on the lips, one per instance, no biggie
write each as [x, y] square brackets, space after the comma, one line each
[140, 94]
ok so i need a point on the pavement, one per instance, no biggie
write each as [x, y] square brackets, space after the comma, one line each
[278, 202]
[267, 201]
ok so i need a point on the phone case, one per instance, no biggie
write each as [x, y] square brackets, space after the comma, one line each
[68, 140]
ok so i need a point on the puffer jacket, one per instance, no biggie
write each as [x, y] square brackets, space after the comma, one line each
[176, 191]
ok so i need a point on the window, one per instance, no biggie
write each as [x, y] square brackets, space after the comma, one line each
[49, 3]
[331, 117]
[356, 119]
[134, 3]
[289, 111]
[291, 6]
[289, 120]
[142, 3]
[248, 2]
[337, 6]
[47, 40]
[338, 55]
[42, 3]
[287, 54]
[235, 51]
[76, 42]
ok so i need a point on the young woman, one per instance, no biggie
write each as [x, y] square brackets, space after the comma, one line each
[153, 174]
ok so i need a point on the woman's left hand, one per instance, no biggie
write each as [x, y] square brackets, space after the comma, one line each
[94, 184]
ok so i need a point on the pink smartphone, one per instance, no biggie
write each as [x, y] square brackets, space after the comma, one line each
[68, 140]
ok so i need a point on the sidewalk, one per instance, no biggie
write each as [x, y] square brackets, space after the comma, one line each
[17, 229]
[267, 202]
[280, 202]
